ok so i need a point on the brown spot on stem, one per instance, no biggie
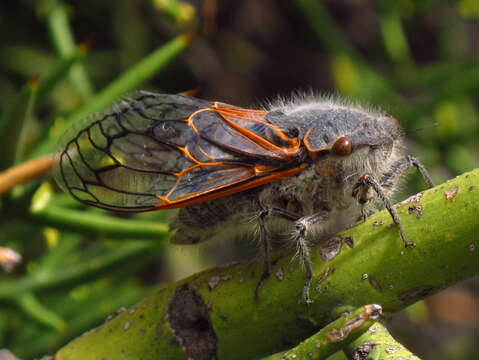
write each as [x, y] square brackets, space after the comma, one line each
[331, 248]
[451, 193]
[375, 284]
[391, 351]
[325, 274]
[471, 188]
[214, 281]
[415, 209]
[348, 240]
[323, 277]
[279, 274]
[189, 319]
[471, 247]
[417, 293]
[412, 199]
[118, 311]
[362, 352]
[371, 312]
[378, 223]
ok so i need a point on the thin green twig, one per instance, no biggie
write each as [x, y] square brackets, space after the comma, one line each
[62, 38]
[30, 304]
[15, 122]
[79, 220]
[378, 344]
[333, 337]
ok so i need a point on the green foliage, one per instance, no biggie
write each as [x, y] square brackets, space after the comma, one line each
[68, 282]
[80, 265]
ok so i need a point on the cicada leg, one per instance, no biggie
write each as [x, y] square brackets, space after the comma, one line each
[266, 240]
[367, 182]
[266, 245]
[398, 168]
[302, 228]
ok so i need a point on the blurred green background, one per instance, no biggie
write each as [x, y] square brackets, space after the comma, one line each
[61, 60]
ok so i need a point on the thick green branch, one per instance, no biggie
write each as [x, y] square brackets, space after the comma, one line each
[214, 313]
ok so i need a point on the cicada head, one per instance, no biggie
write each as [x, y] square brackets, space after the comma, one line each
[341, 135]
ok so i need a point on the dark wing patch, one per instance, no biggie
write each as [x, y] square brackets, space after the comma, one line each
[154, 151]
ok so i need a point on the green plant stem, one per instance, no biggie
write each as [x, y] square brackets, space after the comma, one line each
[338, 45]
[377, 270]
[30, 304]
[79, 220]
[129, 81]
[26, 61]
[62, 38]
[394, 38]
[334, 336]
[15, 122]
[378, 344]
[58, 71]
[66, 244]
[94, 267]
[325, 27]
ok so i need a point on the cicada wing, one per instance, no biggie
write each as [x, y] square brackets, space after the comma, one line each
[252, 124]
[121, 159]
[161, 151]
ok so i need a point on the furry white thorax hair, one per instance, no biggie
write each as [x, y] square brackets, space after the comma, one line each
[310, 100]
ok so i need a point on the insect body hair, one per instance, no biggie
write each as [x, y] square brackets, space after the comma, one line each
[310, 100]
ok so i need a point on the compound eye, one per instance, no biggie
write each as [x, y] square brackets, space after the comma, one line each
[343, 146]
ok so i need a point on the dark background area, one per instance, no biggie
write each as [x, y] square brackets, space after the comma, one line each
[416, 59]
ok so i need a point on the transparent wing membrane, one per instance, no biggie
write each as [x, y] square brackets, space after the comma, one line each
[155, 151]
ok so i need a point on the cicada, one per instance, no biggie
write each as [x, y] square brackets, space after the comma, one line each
[307, 167]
